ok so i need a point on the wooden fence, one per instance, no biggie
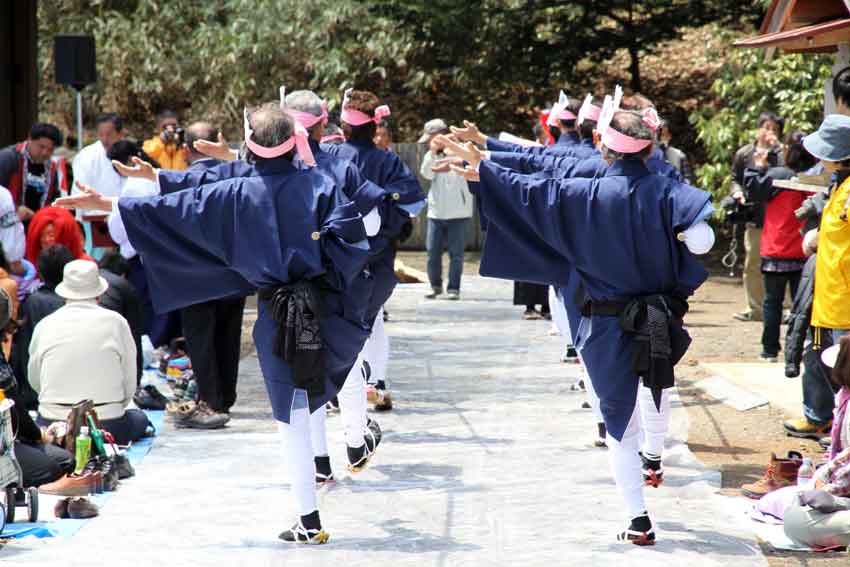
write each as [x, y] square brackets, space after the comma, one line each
[412, 155]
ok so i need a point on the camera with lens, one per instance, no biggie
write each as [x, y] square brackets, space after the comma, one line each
[176, 136]
[736, 212]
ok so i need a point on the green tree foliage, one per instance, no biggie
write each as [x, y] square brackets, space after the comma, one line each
[789, 85]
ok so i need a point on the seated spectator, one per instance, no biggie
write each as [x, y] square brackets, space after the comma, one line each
[29, 173]
[43, 302]
[67, 365]
[10, 286]
[165, 147]
[820, 518]
[40, 462]
[12, 235]
[781, 246]
[91, 165]
[50, 226]
[123, 298]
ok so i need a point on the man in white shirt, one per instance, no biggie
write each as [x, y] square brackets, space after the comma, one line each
[83, 351]
[449, 210]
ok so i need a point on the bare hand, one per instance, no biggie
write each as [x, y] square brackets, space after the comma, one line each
[738, 196]
[444, 165]
[140, 169]
[467, 173]
[87, 198]
[468, 152]
[469, 133]
[218, 150]
[25, 213]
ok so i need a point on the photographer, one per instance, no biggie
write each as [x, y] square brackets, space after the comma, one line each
[449, 211]
[165, 148]
[767, 140]
[781, 250]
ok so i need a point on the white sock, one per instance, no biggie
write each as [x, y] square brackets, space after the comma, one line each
[376, 351]
[298, 454]
[353, 406]
[318, 432]
[626, 465]
[654, 423]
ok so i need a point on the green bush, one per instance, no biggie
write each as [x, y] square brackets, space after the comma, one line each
[790, 85]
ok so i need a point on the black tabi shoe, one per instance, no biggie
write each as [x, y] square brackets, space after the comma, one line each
[653, 472]
[639, 532]
[359, 457]
[324, 473]
[307, 530]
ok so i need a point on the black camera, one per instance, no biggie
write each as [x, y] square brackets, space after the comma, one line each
[176, 136]
[736, 212]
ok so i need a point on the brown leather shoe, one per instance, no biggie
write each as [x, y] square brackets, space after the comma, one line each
[779, 473]
[81, 508]
[60, 510]
[70, 486]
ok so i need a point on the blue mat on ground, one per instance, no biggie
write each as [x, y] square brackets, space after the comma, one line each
[56, 527]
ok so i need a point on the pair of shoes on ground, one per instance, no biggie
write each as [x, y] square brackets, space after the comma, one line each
[149, 398]
[451, 295]
[570, 355]
[806, 429]
[76, 508]
[74, 484]
[781, 472]
[196, 415]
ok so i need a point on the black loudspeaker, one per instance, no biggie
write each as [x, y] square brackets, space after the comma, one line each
[73, 58]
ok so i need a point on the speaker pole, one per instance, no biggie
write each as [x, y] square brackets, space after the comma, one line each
[79, 119]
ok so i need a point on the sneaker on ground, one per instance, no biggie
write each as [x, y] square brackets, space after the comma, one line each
[453, 295]
[653, 472]
[601, 439]
[780, 473]
[148, 397]
[434, 293]
[307, 530]
[767, 357]
[806, 429]
[202, 418]
[570, 355]
[578, 386]
[639, 532]
[332, 406]
[531, 315]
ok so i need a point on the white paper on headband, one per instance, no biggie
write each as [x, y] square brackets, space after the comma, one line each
[618, 96]
[563, 100]
[585, 109]
[282, 96]
[606, 115]
[346, 95]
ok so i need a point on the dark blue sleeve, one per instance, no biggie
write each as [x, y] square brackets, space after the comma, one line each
[171, 181]
[525, 237]
[365, 194]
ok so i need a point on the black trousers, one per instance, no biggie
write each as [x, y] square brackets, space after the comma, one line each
[43, 463]
[213, 332]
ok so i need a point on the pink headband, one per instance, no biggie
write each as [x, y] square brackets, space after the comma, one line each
[333, 138]
[559, 111]
[357, 118]
[298, 140]
[588, 111]
[619, 142]
[304, 118]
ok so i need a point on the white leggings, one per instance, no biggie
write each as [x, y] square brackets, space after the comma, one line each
[376, 351]
[654, 422]
[626, 465]
[352, 405]
[592, 398]
[298, 453]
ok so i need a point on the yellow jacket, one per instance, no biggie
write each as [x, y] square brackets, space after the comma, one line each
[169, 157]
[831, 308]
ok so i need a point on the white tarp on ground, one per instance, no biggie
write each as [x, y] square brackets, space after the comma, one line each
[486, 460]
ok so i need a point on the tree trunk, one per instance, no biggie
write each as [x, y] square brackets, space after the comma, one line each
[634, 67]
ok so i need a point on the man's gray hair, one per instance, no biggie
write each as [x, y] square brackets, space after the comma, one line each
[271, 125]
[305, 101]
[631, 124]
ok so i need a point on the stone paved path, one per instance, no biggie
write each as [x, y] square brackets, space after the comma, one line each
[485, 461]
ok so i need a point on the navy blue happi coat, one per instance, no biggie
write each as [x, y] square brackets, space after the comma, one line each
[271, 225]
[617, 231]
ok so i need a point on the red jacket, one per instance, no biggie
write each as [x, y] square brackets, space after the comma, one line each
[781, 237]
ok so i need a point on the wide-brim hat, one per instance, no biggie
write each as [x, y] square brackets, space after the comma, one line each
[81, 280]
[831, 142]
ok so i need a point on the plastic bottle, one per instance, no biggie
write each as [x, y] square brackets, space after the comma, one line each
[805, 472]
[96, 436]
[83, 449]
